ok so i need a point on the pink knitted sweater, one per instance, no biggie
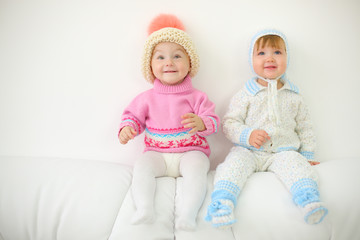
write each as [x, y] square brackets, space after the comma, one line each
[158, 112]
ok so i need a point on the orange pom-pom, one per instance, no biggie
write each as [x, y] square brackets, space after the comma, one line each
[163, 21]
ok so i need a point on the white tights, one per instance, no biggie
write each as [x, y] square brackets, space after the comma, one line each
[193, 166]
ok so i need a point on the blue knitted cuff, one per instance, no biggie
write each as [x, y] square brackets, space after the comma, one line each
[308, 155]
[222, 195]
[244, 136]
[305, 191]
[303, 183]
[228, 186]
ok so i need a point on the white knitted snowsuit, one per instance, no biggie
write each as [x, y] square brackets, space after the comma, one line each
[286, 154]
[293, 139]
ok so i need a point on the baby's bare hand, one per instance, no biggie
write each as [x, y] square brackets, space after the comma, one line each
[126, 134]
[313, 163]
[258, 138]
[194, 122]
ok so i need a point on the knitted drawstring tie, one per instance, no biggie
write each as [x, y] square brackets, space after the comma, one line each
[272, 100]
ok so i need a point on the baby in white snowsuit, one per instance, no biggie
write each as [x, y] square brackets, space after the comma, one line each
[269, 124]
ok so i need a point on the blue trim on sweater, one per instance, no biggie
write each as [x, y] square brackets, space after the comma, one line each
[293, 87]
[282, 149]
[215, 124]
[308, 155]
[169, 135]
[129, 120]
[133, 124]
[244, 136]
[250, 147]
[252, 87]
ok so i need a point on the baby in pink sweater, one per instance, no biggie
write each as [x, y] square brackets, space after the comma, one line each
[175, 117]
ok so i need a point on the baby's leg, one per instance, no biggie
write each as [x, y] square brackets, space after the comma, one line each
[300, 179]
[146, 169]
[194, 166]
[230, 178]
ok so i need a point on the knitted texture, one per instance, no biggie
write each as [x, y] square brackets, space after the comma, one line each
[163, 21]
[290, 166]
[314, 212]
[230, 187]
[223, 200]
[305, 191]
[233, 172]
[168, 34]
[221, 213]
[249, 110]
[158, 111]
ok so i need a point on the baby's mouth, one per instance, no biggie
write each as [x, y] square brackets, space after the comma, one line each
[270, 67]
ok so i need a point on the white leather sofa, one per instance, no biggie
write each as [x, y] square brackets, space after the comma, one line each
[67, 199]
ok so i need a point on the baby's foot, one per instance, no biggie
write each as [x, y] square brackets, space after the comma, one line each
[143, 216]
[221, 214]
[224, 221]
[314, 212]
[185, 224]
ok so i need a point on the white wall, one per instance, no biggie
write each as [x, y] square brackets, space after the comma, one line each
[68, 68]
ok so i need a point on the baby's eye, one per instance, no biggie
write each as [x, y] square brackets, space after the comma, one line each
[261, 53]
[278, 52]
[177, 56]
[160, 57]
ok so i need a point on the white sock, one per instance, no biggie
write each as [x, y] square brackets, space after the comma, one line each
[186, 223]
[143, 215]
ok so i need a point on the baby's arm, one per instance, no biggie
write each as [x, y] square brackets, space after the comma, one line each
[133, 119]
[305, 132]
[126, 134]
[203, 120]
[234, 126]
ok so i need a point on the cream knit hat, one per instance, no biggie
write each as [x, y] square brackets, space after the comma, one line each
[167, 28]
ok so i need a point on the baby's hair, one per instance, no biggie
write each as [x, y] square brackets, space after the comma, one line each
[273, 41]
